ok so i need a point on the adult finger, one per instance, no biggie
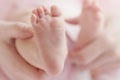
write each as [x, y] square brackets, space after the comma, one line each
[15, 30]
[73, 21]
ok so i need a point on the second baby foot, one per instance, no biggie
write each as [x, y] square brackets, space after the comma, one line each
[92, 26]
[91, 21]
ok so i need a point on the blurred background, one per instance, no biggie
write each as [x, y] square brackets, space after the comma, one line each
[69, 8]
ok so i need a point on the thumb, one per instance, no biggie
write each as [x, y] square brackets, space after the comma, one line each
[13, 30]
[21, 31]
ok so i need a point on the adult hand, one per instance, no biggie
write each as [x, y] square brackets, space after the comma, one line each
[11, 63]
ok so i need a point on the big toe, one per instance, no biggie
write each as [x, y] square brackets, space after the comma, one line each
[55, 11]
[96, 7]
[86, 3]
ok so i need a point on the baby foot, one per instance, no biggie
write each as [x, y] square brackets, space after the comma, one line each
[50, 36]
[91, 21]
[48, 49]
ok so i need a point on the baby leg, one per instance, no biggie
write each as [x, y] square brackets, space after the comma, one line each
[47, 49]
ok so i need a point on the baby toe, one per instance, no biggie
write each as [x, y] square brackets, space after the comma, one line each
[55, 12]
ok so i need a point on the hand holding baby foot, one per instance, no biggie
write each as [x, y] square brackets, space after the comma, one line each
[48, 46]
[12, 64]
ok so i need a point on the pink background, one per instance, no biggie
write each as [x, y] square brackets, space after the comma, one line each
[69, 7]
